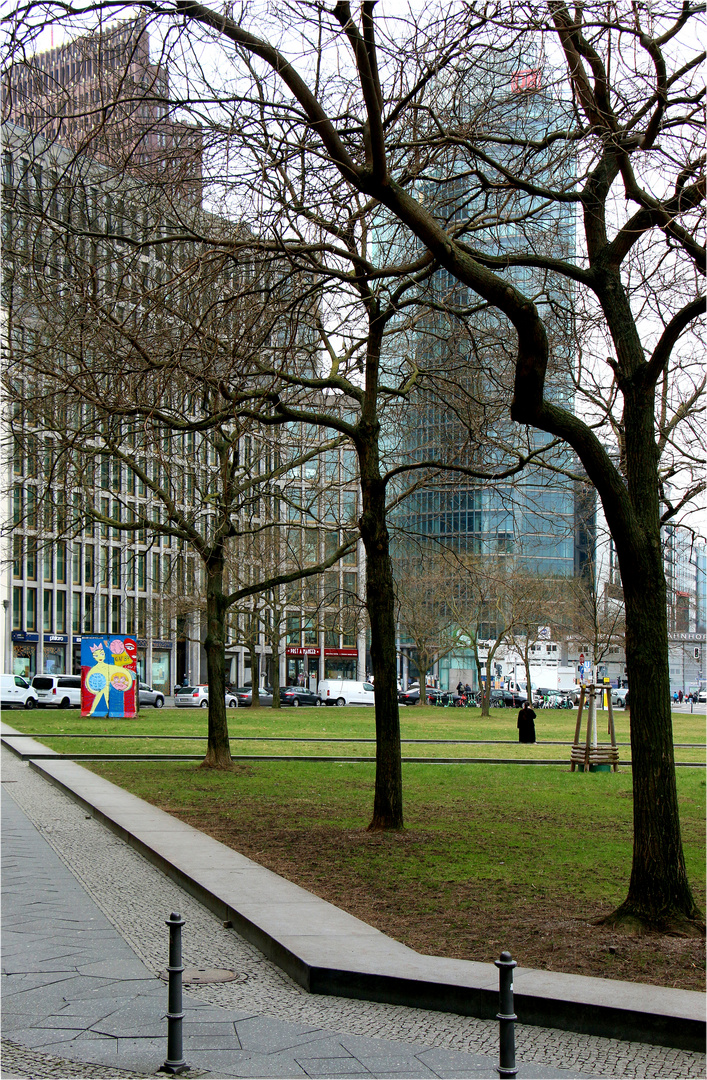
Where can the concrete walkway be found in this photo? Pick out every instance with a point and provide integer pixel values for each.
(78, 989)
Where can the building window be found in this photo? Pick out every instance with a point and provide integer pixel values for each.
(48, 606)
(103, 614)
(31, 508)
(115, 615)
(17, 556)
(17, 505)
(351, 556)
(88, 613)
(331, 633)
(115, 568)
(31, 609)
(88, 564)
(60, 612)
(350, 588)
(17, 608)
(76, 565)
(76, 613)
(141, 616)
(130, 615)
(61, 562)
(141, 571)
(293, 628)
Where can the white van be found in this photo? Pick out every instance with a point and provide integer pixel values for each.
(16, 692)
(345, 692)
(60, 691)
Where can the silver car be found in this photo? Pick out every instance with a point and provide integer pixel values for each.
(197, 697)
(148, 696)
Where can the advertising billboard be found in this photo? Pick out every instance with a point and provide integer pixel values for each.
(109, 685)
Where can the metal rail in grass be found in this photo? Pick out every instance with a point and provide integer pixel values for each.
(308, 739)
(337, 759)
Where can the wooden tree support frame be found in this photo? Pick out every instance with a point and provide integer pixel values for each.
(593, 753)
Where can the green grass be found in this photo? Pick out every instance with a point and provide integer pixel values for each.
(489, 853)
(345, 723)
(560, 831)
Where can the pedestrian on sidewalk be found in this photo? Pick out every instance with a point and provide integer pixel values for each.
(526, 724)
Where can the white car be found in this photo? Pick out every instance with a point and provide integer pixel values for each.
(16, 692)
(197, 697)
(57, 691)
(618, 695)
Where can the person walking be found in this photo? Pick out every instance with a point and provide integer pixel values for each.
(526, 724)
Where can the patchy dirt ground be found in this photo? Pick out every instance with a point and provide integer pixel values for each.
(468, 921)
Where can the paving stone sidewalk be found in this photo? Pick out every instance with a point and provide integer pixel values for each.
(79, 988)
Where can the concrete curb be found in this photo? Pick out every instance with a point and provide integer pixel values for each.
(327, 951)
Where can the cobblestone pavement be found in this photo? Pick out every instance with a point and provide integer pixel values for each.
(136, 898)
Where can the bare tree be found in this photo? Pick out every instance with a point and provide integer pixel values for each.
(104, 365)
(386, 107)
(426, 617)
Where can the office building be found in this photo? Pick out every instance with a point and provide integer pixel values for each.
(102, 95)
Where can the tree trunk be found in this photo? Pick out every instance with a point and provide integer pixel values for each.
(218, 751)
(484, 687)
(254, 675)
(380, 598)
(275, 642)
(659, 893)
(528, 684)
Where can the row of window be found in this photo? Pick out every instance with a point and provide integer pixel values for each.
(90, 613)
(103, 566)
(101, 613)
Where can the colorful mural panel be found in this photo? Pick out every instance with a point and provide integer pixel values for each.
(109, 685)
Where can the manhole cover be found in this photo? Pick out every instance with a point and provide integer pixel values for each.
(198, 976)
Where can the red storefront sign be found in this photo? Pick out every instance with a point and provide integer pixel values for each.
(341, 652)
(302, 650)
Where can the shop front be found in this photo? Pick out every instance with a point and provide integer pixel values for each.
(24, 653)
(141, 662)
(162, 666)
(55, 654)
(302, 666)
(341, 663)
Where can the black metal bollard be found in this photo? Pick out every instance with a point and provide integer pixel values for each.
(175, 1062)
(506, 1017)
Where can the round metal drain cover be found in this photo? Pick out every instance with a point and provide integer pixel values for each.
(199, 976)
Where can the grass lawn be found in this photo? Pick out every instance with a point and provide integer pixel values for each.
(492, 856)
(419, 722)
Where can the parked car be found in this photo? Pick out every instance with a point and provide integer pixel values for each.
(702, 695)
(618, 695)
(345, 692)
(57, 691)
(148, 696)
(245, 696)
(16, 692)
(298, 695)
(411, 696)
(197, 697)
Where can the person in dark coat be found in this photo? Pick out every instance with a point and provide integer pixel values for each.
(526, 724)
